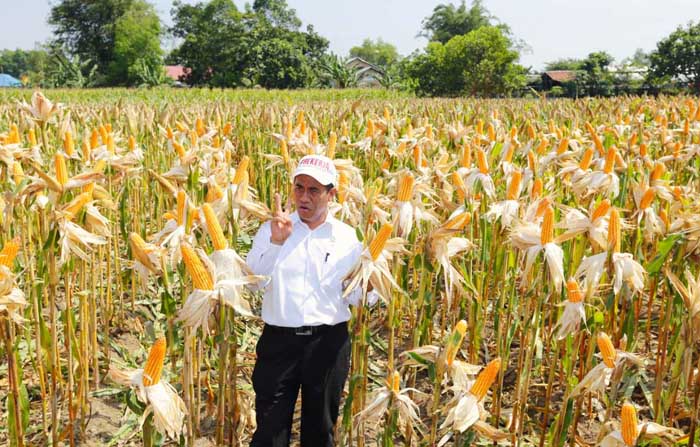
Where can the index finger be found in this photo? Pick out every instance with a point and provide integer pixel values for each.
(278, 203)
(288, 206)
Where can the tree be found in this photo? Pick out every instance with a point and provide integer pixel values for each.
(678, 57)
(20, 63)
(596, 78)
(212, 36)
(480, 63)
(222, 46)
(378, 53)
(136, 45)
(107, 32)
(334, 72)
(448, 21)
(564, 64)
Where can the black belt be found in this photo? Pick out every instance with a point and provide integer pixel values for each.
(304, 330)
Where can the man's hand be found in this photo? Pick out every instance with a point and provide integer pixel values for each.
(281, 224)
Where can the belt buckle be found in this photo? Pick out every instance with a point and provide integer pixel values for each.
(303, 330)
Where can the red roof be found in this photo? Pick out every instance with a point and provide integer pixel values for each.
(175, 71)
(561, 75)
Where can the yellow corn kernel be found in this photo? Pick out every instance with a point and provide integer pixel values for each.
(61, 170)
(458, 222)
(514, 185)
(586, 159)
(647, 198)
(140, 250)
(492, 132)
(458, 183)
(630, 430)
(531, 161)
(607, 350)
(379, 241)
(85, 149)
(154, 364)
(664, 217)
(394, 382)
(68, 143)
(9, 252)
(199, 127)
(132, 143)
(179, 149)
(481, 162)
(343, 183)
(574, 291)
(89, 188)
(465, 160)
(181, 202)
(32, 137)
(614, 231)
(227, 129)
(547, 232)
(537, 187)
(610, 160)
(486, 378)
(94, 139)
(601, 210)
(455, 341)
(302, 127)
(169, 133)
(180, 126)
(563, 146)
(314, 136)
(108, 127)
(530, 131)
(332, 141)
(103, 134)
(508, 157)
(480, 126)
(17, 172)
(201, 278)
(595, 138)
(214, 192)
(214, 228)
(417, 156)
(110, 143)
(542, 147)
(658, 171)
(405, 191)
(241, 170)
(75, 205)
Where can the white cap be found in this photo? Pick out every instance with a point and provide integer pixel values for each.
(319, 167)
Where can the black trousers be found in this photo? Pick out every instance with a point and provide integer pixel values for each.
(318, 364)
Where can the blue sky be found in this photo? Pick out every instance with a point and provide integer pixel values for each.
(553, 29)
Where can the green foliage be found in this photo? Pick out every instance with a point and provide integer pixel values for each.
(262, 46)
(595, 77)
(677, 57)
(137, 51)
(378, 53)
(72, 72)
(333, 72)
(21, 63)
(114, 34)
(480, 63)
(448, 21)
(564, 64)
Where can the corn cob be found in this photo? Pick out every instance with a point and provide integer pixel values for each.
(140, 250)
(332, 141)
(610, 157)
(601, 210)
(536, 189)
(68, 143)
(181, 202)
(514, 185)
(154, 365)
(574, 291)
(61, 170)
(647, 198)
(486, 378)
(455, 341)
(547, 232)
(201, 278)
(630, 431)
(379, 241)
(214, 228)
(405, 190)
(614, 231)
(481, 162)
(9, 252)
(75, 205)
(241, 170)
(607, 350)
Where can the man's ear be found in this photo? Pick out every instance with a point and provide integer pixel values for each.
(332, 193)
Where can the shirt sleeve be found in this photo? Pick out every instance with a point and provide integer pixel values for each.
(263, 254)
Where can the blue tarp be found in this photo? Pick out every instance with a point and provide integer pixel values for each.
(8, 81)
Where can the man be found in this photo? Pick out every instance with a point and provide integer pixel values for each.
(305, 342)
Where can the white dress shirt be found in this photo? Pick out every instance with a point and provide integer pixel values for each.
(306, 273)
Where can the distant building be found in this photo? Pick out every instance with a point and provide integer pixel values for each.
(176, 73)
(9, 81)
(555, 78)
(369, 75)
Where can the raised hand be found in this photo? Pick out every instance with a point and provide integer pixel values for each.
(281, 224)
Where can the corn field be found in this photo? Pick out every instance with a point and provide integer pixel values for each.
(536, 260)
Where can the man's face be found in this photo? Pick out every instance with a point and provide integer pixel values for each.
(311, 198)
